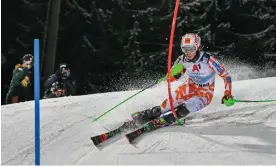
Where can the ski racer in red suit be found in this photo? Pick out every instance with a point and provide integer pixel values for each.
(197, 91)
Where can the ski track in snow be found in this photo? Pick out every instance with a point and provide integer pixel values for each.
(242, 134)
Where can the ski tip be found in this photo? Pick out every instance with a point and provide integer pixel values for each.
(94, 141)
(128, 140)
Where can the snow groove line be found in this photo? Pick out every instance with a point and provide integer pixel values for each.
(198, 134)
(227, 113)
(260, 121)
(53, 136)
(237, 148)
(186, 152)
(118, 157)
(29, 147)
(25, 151)
(83, 155)
(153, 146)
(270, 114)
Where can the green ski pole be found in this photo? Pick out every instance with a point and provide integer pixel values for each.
(122, 102)
(176, 69)
(258, 101)
(231, 102)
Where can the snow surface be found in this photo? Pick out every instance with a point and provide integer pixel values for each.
(242, 134)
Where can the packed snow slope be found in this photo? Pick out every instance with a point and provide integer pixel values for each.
(242, 134)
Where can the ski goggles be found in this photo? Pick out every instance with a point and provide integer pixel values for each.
(189, 49)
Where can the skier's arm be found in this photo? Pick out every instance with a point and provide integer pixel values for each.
(177, 76)
(223, 73)
(178, 69)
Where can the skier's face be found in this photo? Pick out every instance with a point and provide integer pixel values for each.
(189, 51)
(191, 55)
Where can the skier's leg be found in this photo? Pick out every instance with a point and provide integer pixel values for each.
(146, 115)
(154, 112)
(183, 93)
(187, 98)
(195, 103)
(192, 97)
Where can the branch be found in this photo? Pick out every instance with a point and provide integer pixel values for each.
(255, 35)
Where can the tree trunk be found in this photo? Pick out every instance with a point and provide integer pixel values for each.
(50, 57)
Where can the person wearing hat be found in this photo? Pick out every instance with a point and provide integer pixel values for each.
(60, 84)
(20, 82)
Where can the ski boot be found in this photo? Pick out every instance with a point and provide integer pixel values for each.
(128, 125)
(181, 112)
(146, 115)
(155, 112)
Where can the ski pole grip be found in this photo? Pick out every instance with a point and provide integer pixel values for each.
(175, 70)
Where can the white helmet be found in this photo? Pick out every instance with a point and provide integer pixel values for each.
(190, 43)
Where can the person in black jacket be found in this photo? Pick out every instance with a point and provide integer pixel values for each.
(60, 84)
(21, 82)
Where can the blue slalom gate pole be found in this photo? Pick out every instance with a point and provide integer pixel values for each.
(37, 98)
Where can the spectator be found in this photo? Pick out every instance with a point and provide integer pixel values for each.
(20, 83)
(60, 84)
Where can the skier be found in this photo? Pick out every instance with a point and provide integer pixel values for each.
(60, 84)
(197, 91)
(20, 83)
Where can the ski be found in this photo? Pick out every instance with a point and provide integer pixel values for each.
(98, 139)
(153, 125)
(164, 120)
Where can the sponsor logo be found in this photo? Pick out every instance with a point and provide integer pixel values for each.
(195, 68)
(187, 40)
(201, 85)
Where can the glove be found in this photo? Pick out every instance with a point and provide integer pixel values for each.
(227, 99)
(177, 76)
(25, 82)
